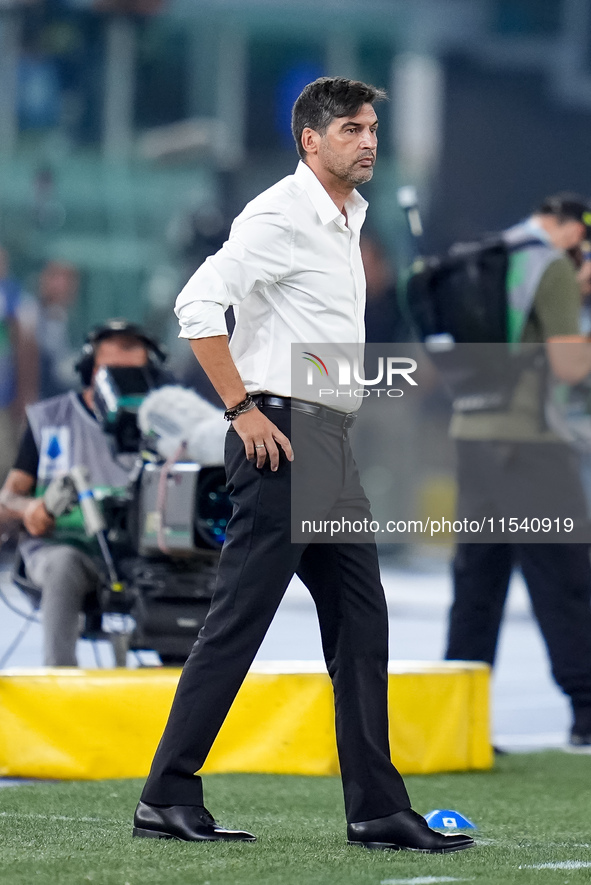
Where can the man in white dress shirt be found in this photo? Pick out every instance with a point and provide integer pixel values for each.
(292, 271)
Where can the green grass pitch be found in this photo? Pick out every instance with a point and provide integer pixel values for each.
(531, 810)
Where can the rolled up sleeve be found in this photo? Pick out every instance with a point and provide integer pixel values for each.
(257, 254)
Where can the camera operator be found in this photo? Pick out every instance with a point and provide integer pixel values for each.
(509, 458)
(62, 432)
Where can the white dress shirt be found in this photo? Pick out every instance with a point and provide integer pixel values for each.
(292, 271)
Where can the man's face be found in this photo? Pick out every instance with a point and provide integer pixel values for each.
(568, 234)
(348, 148)
(121, 352)
(58, 284)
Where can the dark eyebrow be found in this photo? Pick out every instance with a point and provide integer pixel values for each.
(358, 125)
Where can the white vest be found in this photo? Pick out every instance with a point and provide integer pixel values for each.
(66, 436)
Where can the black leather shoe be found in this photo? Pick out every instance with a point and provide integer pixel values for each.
(580, 736)
(580, 743)
(188, 823)
(405, 831)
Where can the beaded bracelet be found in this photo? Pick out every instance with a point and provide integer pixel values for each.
(245, 406)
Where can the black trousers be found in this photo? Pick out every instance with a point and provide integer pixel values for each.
(558, 576)
(257, 563)
(558, 580)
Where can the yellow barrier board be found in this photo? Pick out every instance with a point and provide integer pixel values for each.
(92, 724)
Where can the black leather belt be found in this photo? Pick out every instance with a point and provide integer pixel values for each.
(344, 420)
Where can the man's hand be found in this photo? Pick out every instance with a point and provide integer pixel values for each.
(36, 519)
(260, 437)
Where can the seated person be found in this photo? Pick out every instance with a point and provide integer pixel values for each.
(63, 432)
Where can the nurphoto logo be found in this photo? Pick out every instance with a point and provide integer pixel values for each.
(346, 372)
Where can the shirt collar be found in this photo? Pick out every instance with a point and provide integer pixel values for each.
(327, 211)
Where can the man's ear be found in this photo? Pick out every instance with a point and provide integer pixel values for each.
(310, 140)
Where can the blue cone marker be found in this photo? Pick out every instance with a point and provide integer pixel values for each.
(447, 819)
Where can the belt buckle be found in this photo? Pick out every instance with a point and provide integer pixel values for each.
(349, 421)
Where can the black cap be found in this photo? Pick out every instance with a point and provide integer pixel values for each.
(122, 326)
(568, 206)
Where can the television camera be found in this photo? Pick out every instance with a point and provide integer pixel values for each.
(160, 538)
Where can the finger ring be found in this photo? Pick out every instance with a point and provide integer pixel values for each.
(260, 446)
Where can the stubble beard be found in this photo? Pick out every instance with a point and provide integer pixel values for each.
(361, 177)
(351, 174)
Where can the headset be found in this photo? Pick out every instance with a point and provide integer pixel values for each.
(84, 364)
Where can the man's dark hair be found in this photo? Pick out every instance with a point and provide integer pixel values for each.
(566, 206)
(326, 98)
